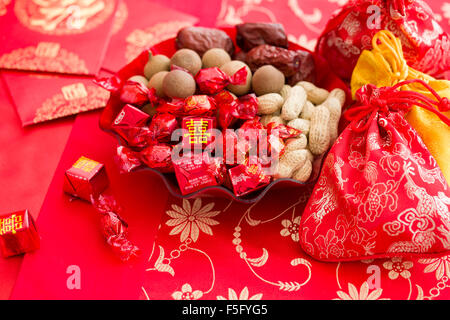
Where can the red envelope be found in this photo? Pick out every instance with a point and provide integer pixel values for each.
(55, 36)
(63, 96)
(138, 26)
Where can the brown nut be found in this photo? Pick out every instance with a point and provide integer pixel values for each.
(250, 35)
(267, 79)
(139, 79)
(156, 82)
(179, 84)
(230, 68)
(202, 39)
(187, 59)
(156, 64)
(215, 57)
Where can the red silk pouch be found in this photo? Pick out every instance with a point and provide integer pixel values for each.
(349, 32)
(380, 193)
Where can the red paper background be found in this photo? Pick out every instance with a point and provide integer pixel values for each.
(28, 160)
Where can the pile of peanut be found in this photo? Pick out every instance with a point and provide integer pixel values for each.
(313, 111)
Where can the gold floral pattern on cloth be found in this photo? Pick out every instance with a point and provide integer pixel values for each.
(141, 39)
(48, 56)
(62, 17)
(3, 5)
(120, 17)
(73, 99)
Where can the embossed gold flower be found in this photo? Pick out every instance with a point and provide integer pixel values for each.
(363, 294)
(291, 228)
(440, 265)
(398, 267)
(244, 295)
(189, 220)
(186, 293)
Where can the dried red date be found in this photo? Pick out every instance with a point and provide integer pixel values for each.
(287, 61)
(307, 69)
(202, 39)
(250, 35)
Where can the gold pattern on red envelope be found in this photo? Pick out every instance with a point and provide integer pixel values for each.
(3, 5)
(141, 39)
(120, 17)
(11, 224)
(47, 56)
(73, 99)
(62, 17)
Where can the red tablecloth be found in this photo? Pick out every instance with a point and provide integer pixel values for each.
(29, 158)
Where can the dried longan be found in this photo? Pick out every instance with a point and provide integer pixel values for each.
(156, 64)
(267, 79)
(156, 82)
(179, 84)
(215, 57)
(187, 59)
(230, 68)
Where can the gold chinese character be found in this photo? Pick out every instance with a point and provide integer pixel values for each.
(47, 49)
(74, 91)
(85, 164)
(197, 131)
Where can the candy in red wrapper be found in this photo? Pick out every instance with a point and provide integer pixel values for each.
(158, 156)
(231, 109)
(127, 159)
(18, 234)
(114, 228)
(85, 178)
(197, 132)
(200, 105)
(197, 171)
(174, 106)
(162, 126)
(135, 93)
(282, 131)
(128, 121)
(214, 80)
(246, 178)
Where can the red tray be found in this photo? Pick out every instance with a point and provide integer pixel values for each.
(325, 78)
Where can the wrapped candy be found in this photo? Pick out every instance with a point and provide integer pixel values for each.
(134, 93)
(158, 156)
(18, 234)
(127, 159)
(231, 109)
(87, 180)
(128, 124)
(162, 126)
(380, 193)
(200, 105)
(385, 65)
(197, 171)
(351, 30)
(246, 178)
(214, 80)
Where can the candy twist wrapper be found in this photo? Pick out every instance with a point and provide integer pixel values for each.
(214, 80)
(385, 65)
(87, 180)
(351, 30)
(380, 192)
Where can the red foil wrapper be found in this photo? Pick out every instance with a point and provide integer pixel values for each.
(128, 122)
(197, 132)
(175, 107)
(201, 105)
(18, 234)
(197, 171)
(282, 131)
(114, 228)
(158, 156)
(127, 159)
(135, 93)
(247, 178)
(162, 126)
(214, 80)
(85, 178)
(231, 109)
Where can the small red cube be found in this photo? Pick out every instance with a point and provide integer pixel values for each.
(128, 121)
(85, 178)
(18, 234)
